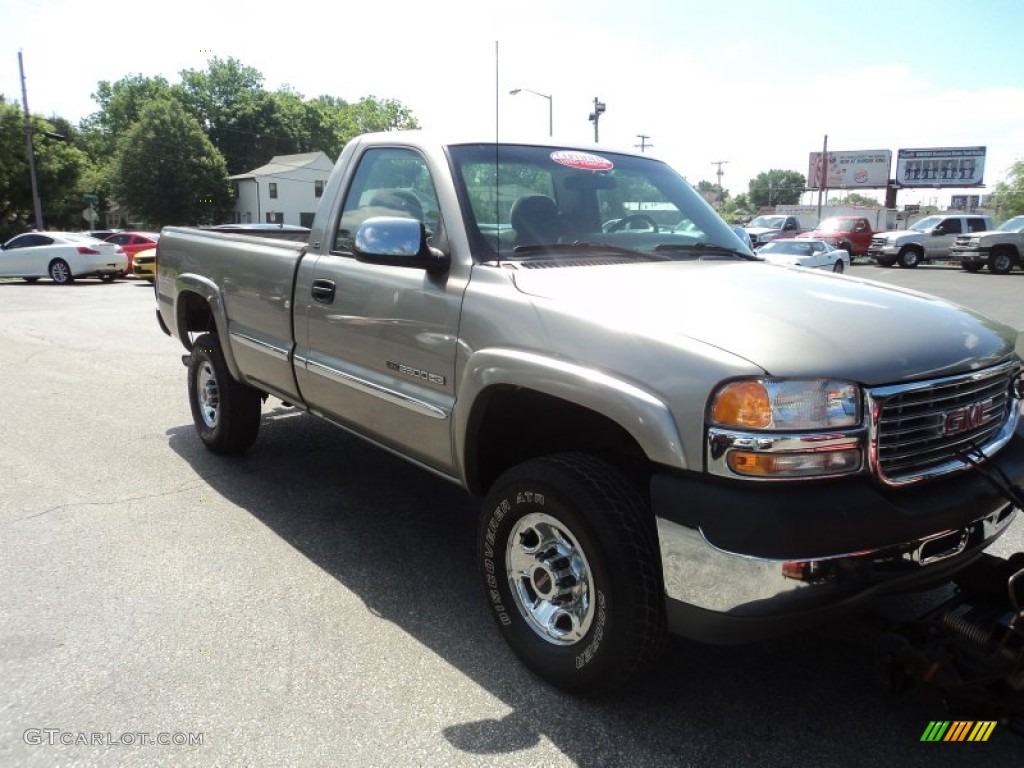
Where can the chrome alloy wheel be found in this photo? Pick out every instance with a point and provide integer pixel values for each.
(550, 579)
(209, 394)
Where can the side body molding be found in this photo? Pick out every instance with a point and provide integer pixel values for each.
(636, 410)
(211, 293)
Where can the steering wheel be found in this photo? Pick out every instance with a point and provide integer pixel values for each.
(625, 221)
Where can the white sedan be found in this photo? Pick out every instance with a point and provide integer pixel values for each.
(61, 256)
(805, 252)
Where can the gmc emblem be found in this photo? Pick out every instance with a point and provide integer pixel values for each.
(963, 419)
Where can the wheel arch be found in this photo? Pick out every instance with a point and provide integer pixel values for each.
(199, 308)
(568, 408)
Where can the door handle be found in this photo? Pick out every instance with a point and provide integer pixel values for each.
(323, 291)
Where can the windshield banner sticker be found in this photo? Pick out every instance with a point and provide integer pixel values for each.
(582, 160)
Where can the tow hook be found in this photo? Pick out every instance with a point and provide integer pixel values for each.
(185, 359)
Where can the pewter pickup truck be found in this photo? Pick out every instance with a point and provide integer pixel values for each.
(668, 434)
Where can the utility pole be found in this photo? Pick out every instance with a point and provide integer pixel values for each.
(28, 147)
(719, 173)
(643, 145)
(595, 116)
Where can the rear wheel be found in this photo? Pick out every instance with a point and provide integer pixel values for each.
(909, 257)
(1001, 261)
(60, 272)
(570, 565)
(226, 413)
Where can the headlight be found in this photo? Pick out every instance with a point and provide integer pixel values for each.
(785, 429)
(786, 404)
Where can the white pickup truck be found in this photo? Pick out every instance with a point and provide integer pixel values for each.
(928, 239)
(1000, 249)
(667, 433)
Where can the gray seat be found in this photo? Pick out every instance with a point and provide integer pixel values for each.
(536, 220)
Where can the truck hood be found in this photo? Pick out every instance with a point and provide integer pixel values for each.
(761, 230)
(787, 321)
(899, 235)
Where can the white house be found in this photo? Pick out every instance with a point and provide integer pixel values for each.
(286, 190)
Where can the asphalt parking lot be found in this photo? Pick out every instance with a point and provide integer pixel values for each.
(316, 602)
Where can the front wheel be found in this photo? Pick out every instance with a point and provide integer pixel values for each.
(909, 258)
(1001, 262)
(838, 267)
(226, 413)
(568, 549)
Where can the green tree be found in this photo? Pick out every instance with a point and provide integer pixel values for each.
(853, 198)
(59, 168)
(168, 171)
(121, 103)
(1008, 197)
(776, 187)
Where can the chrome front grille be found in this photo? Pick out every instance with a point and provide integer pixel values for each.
(922, 429)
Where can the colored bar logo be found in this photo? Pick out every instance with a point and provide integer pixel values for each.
(958, 730)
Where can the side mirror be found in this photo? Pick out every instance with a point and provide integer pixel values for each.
(398, 242)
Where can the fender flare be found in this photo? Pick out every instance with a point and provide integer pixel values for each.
(210, 292)
(640, 413)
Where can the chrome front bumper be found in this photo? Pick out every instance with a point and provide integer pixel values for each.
(699, 574)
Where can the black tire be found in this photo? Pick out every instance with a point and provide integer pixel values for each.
(971, 266)
(108, 278)
(60, 272)
(1001, 261)
(569, 533)
(909, 257)
(838, 267)
(226, 413)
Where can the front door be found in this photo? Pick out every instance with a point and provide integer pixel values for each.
(377, 350)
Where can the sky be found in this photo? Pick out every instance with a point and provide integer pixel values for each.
(751, 85)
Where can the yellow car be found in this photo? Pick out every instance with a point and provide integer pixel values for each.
(144, 264)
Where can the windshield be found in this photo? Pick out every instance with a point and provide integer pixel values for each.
(771, 222)
(926, 224)
(1016, 224)
(518, 198)
(836, 225)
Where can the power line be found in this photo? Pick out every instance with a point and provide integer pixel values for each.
(644, 144)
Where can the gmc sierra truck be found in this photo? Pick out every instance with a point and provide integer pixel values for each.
(1000, 249)
(667, 433)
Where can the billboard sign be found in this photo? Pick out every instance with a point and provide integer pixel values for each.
(846, 170)
(940, 167)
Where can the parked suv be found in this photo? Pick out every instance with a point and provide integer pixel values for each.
(1000, 249)
(927, 239)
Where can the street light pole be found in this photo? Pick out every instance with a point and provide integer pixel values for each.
(29, 150)
(551, 108)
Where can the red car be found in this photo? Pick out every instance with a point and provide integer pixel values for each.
(133, 242)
